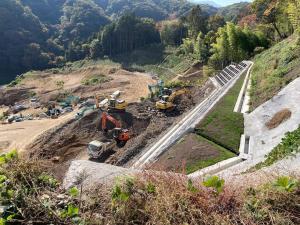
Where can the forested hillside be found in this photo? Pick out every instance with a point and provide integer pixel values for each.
(49, 33)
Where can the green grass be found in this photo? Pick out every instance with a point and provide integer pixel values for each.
(200, 164)
(95, 80)
(222, 125)
(289, 146)
(274, 69)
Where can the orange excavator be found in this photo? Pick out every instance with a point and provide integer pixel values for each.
(120, 135)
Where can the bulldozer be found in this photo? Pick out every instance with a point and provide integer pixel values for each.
(120, 135)
(166, 103)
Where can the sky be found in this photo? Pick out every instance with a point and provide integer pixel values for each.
(222, 2)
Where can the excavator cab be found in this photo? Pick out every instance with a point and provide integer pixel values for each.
(121, 136)
(166, 102)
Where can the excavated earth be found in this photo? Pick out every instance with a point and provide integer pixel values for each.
(69, 141)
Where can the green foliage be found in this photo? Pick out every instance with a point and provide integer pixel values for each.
(273, 69)
(234, 44)
(60, 84)
(151, 189)
(196, 21)
(122, 192)
(16, 81)
(286, 183)
(191, 186)
(71, 211)
(232, 13)
(48, 181)
(176, 84)
(214, 182)
(8, 157)
(127, 34)
(74, 192)
(173, 32)
(95, 80)
(118, 194)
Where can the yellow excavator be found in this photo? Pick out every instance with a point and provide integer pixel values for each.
(167, 101)
(117, 104)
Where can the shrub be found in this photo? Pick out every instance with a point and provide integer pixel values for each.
(214, 182)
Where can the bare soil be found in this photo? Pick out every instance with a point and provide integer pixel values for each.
(69, 141)
(187, 151)
(19, 135)
(279, 118)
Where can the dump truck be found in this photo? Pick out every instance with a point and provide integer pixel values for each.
(96, 149)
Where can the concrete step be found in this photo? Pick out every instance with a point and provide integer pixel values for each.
(225, 81)
(226, 75)
(232, 68)
(244, 65)
(233, 72)
(229, 72)
(219, 81)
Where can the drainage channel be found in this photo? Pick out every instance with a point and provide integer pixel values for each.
(245, 150)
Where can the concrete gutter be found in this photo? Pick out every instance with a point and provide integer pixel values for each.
(216, 168)
(240, 103)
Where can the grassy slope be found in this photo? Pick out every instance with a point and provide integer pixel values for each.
(274, 69)
(222, 125)
(163, 62)
(200, 164)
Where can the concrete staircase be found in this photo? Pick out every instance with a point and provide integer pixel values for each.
(228, 73)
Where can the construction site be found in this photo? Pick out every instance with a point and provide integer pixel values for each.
(118, 117)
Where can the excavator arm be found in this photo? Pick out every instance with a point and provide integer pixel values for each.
(106, 117)
(177, 93)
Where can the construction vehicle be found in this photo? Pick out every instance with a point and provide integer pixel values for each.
(120, 135)
(166, 103)
(112, 104)
(117, 105)
(96, 149)
(156, 89)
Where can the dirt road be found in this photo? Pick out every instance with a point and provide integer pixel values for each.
(19, 135)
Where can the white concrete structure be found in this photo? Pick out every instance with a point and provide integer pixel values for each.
(92, 173)
(262, 139)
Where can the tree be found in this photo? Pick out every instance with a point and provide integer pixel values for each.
(269, 11)
(173, 32)
(293, 11)
(234, 44)
(34, 58)
(196, 21)
(96, 49)
(128, 33)
(215, 21)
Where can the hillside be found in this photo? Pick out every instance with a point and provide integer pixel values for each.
(235, 11)
(274, 69)
(39, 38)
